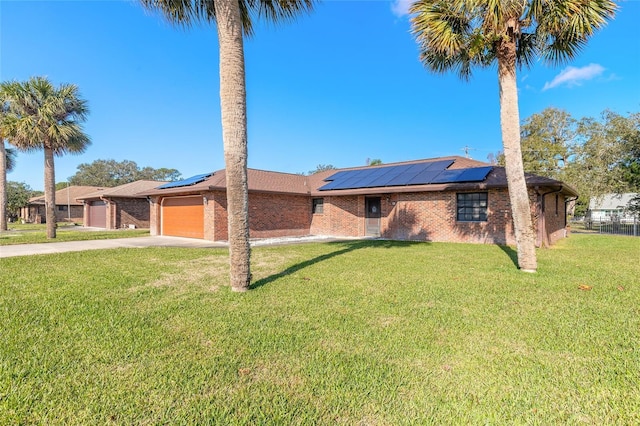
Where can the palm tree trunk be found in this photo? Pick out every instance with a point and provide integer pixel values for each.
(3, 187)
(50, 192)
(233, 102)
(510, 123)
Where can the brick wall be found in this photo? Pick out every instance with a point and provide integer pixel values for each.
(421, 216)
(130, 211)
(554, 219)
(343, 216)
(270, 215)
(154, 216)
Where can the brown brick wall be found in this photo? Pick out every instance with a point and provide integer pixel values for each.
(554, 219)
(270, 215)
(423, 216)
(154, 216)
(343, 216)
(130, 211)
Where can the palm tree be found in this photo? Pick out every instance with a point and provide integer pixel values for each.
(233, 19)
(7, 162)
(43, 117)
(457, 35)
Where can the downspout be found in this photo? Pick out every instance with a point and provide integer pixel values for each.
(544, 241)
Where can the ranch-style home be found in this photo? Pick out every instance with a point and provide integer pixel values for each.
(451, 199)
(68, 207)
(118, 207)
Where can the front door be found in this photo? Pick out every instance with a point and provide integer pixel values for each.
(372, 216)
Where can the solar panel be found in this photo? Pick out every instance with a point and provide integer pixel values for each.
(424, 177)
(439, 165)
(405, 174)
(447, 176)
(186, 182)
(476, 174)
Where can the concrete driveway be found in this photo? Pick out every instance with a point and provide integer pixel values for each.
(138, 242)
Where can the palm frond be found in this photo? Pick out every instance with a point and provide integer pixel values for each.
(186, 13)
(565, 26)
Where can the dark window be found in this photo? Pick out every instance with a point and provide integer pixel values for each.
(62, 208)
(318, 205)
(472, 207)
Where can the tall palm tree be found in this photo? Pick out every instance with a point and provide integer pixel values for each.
(457, 35)
(233, 19)
(43, 117)
(7, 162)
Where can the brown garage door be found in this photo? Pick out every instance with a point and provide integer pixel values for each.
(183, 217)
(98, 214)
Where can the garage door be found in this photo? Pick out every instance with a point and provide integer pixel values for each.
(183, 217)
(98, 214)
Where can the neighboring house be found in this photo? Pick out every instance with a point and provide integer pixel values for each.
(68, 208)
(610, 208)
(119, 207)
(444, 199)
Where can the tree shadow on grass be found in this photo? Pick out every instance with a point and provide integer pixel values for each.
(346, 248)
(511, 252)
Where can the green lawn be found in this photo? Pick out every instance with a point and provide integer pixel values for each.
(34, 234)
(353, 333)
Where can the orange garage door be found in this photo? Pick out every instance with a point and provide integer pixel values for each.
(183, 217)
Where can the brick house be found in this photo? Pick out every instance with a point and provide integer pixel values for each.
(118, 207)
(68, 206)
(445, 199)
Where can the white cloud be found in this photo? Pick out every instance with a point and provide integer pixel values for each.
(572, 76)
(400, 8)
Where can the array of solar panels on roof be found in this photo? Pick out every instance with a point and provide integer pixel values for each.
(403, 175)
(186, 182)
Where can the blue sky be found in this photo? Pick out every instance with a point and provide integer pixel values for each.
(338, 86)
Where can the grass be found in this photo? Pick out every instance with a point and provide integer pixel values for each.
(370, 333)
(34, 234)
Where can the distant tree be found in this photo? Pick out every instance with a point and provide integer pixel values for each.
(321, 168)
(43, 117)
(547, 140)
(602, 158)
(374, 162)
(495, 157)
(110, 173)
(149, 173)
(634, 206)
(629, 164)
(459, 35)
(18, 195)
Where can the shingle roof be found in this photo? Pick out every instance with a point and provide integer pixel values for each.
(287, 183)
(258, 181)
(75, 193)
(128, 190)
